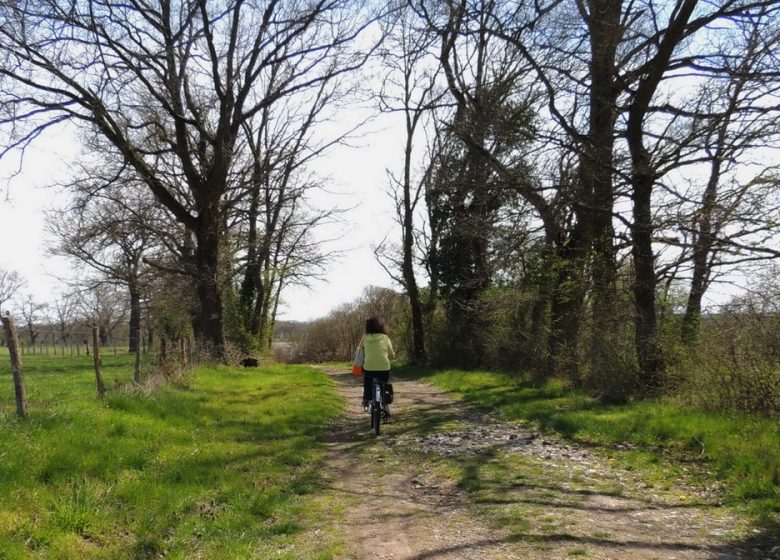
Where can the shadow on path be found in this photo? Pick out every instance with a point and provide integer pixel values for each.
(400, 509)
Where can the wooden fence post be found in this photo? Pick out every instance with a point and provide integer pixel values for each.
(183, 356)
(137, 367)
(101, 387)
(16, 365)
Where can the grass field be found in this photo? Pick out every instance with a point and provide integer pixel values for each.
(664, 440)
(226, 463)
(221, 466)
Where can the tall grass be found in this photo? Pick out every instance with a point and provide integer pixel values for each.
(741, 450)
(222, 466)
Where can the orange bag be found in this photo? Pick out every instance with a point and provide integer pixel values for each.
(357, 363)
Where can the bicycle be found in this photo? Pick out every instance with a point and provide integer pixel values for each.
(379, 405)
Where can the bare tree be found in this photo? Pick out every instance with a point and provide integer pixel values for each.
(104, 305)
(733, 220)
(570, 163)
(572, 50)
(64, 313)
(666, 53)
(281, 140)
(170, 88)
(110, 233)
(620, 60)
(409, 88)
(10, 284)
(31, 312)
(482, 167)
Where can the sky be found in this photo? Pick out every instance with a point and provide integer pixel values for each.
(24, 198)
(356, 178)
(359, 177)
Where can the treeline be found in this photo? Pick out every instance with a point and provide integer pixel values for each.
(336, 336)
(734, 365)
(67, 319)
(577, 177)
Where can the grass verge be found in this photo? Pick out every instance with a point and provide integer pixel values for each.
(223, 466)
(740, 451)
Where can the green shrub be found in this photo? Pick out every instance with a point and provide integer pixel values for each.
(735, 365)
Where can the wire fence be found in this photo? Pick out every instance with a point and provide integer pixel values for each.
(73, 349)
(172, 358)
(76, 342)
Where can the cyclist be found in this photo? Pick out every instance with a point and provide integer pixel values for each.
(378, 352)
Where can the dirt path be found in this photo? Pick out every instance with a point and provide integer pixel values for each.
(447, 482)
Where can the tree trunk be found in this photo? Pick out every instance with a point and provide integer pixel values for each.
(701, 270)
(541, 326)
(418, 333)
(596, 174)
(135, 318)
(266, 312)
(31, 332)
(648, 346)
(705, 236)
(252, 284)
(209, 319)
(565, 314)
(566, 266)
(273, 313)
(410, 281)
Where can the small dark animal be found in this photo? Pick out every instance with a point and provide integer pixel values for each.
(249, 362)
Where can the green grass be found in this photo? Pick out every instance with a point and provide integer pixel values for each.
(225, 465)
(741, 451)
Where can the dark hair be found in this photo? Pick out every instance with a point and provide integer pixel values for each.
(375, 325)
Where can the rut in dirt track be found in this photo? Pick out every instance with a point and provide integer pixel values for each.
(398, 505)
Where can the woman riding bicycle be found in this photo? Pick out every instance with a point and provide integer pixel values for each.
(378, 352)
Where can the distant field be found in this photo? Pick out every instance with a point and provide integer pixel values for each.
(740, 451)
(221, 466)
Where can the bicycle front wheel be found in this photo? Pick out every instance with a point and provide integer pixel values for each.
(376, 419)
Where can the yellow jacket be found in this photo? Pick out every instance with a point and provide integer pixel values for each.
(378, 350)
